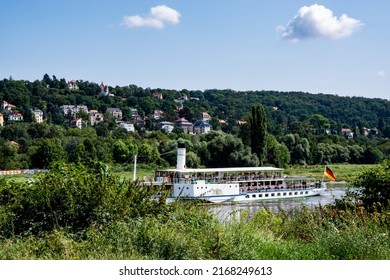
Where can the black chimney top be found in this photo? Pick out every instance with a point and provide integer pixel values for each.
(181, 145)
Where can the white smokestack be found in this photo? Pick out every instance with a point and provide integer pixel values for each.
(181, 156)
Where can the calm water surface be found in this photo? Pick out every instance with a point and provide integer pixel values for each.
(225, 212)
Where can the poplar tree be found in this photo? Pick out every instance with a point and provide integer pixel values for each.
(258, 130)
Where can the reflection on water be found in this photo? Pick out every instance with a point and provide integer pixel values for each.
(226, 212)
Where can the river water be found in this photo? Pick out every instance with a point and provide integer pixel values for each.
(225, 212)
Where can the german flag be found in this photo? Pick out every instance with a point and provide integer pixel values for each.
(328, 173)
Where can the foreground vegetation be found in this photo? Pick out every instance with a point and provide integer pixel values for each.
(78, 212)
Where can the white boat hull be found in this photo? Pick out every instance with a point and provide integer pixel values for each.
(256, 196)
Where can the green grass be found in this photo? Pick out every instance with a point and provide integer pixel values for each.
(17, 178)
(343, 172)
(193, 234)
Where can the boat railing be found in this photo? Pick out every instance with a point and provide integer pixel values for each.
(224, 179)
(273, 188)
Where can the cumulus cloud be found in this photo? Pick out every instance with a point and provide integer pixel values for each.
(158, 17)
(317, 21)
(381, 74)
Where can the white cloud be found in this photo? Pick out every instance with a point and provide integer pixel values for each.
(157, 18)
(381, 74)
(317, 21)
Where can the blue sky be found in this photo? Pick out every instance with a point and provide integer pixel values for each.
(333, 47)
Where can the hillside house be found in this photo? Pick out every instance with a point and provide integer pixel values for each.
(158, 95)
(205, 116)
(134, 113)
(115, 112)
(38, 115)
(185, 125)
(166, 126)
(72, 110)
(72, 85)
(347, 133)
(202, 127)
(128, 126)
(240, 122)
(95, 117)
(104, 90)
(7, 107)
(15, 116)
(77, 123)
(157, 114)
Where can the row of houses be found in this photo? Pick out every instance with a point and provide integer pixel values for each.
(104, 89)
(199, 127)
(12, 114)
(94, 116)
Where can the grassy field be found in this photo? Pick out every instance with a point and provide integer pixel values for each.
(343, 172)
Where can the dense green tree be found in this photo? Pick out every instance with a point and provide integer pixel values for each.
(355, 153)
(48, 152)
(277, 154)
(120, 152)
(258, 131)
(192, 160)
(373, 185)
(372, 155)
(320, 123)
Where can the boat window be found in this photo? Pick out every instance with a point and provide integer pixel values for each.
(253, 195)
(266, 195)
(247, 196)
(284, 194)
(306, 192)
(296, 193)
(301, 193)
(272, 194)
(260, 195)
(290, 193)
(278, 194)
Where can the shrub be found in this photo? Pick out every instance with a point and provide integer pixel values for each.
(73, 197)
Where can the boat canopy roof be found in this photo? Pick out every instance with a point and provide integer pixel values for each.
(227, 169)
